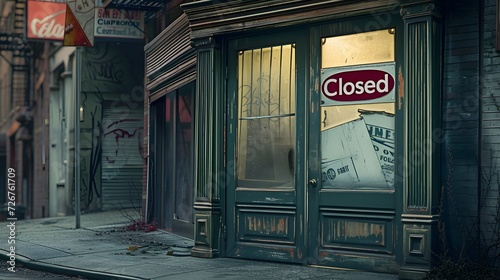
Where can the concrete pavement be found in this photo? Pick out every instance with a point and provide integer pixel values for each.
(103, 249)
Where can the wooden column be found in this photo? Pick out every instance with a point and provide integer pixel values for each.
(209, 149)
(422, 101)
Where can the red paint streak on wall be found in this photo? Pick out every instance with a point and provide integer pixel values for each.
(121, 133)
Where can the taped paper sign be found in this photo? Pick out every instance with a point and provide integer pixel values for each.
(359, 154)
(340, 172)
(349, 160)
(380, 126)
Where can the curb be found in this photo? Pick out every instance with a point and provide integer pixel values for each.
(66, 270)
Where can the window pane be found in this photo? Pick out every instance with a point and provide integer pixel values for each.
(184, 155)
(266, 125)
(357, 113)
(360, 48)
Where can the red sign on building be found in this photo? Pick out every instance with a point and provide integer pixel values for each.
(358, 84)
(45, 20)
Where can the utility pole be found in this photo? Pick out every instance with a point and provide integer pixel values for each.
(78, 86)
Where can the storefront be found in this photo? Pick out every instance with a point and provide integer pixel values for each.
(171, 73)
(314, 132)
(325, 160)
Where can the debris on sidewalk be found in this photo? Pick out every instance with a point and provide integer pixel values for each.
(142, 225)
(144, 241)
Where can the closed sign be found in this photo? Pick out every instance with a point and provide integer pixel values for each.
(361, 84)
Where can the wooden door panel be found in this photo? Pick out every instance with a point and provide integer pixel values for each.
(266, 225)
(358, 200)
(357, 231)
(266, 197)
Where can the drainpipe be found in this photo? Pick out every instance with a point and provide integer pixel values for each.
(78, 85)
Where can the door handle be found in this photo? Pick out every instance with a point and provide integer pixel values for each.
(312, 183)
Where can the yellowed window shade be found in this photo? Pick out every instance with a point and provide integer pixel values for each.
(266, 117)
(361, 48)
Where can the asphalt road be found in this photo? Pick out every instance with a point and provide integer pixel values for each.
(23, 273)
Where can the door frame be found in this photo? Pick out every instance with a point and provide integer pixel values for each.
(307, 154)
(337, 28)
(299, 37)
(163, 155)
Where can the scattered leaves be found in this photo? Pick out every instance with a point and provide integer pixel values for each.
(142, 226)
(133, 248)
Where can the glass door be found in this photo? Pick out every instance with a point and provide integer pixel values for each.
(312, 129)
(265, 195)
(352, 191)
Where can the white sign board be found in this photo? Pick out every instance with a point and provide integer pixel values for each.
(114, 23)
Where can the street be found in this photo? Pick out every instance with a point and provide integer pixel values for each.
(23, 273)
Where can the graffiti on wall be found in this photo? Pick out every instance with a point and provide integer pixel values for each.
(89, 171)
(121, 133)
(104, 66)
(112, 68)
(110, 81)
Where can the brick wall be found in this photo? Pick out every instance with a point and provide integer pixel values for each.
(471, 120)
(490, 124)
(40, 184)
(460, 102)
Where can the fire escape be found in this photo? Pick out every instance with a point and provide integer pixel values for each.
(17, 52)
(14, 40)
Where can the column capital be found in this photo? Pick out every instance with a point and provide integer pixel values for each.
(412, 8)
(205, 42)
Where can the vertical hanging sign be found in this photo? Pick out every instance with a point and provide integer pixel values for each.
(79, 25)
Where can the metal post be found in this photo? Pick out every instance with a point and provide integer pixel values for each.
(78, 85)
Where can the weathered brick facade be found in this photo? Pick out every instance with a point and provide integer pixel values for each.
(471, 115)
(40, 160)
(24, 108)
(461, 98)
(489, 200)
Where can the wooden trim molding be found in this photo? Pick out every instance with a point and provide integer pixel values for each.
(211, 18)
(170, 65)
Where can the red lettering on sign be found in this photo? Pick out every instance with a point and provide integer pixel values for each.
(102, 13)
(358, 85)
(116, 14)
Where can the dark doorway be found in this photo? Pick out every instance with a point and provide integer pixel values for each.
(171, 163)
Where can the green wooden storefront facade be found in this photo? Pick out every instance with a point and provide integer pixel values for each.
(394, 229)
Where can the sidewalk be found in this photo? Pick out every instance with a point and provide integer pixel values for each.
(102, 249)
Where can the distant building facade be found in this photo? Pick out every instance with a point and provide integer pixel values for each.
(24, 111)
(40, 79)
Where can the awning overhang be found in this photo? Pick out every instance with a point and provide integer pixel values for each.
(138, 5)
